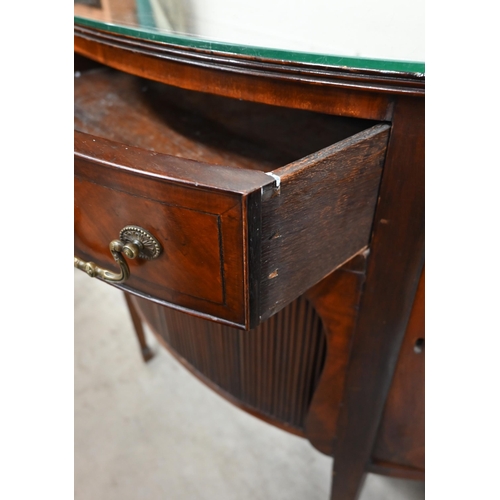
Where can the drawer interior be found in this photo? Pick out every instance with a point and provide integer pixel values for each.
(201, 127)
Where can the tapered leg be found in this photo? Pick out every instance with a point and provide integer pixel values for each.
(347, 484)
(146, 352)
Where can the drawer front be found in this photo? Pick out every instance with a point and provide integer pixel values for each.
(202, 229)
(238, 245)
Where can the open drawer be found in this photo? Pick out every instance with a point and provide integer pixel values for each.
(251, 204)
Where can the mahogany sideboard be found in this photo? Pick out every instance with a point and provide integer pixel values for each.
(267, 219)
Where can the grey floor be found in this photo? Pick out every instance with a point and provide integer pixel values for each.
(153, 431)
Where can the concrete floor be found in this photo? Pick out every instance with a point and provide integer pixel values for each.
(153, 431)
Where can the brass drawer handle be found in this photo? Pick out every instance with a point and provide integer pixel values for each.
(134, 241)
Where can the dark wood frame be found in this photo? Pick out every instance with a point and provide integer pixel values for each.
(395, 260)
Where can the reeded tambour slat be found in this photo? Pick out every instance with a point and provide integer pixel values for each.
(273, 369)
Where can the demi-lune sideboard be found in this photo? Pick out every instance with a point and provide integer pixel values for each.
(264, 214)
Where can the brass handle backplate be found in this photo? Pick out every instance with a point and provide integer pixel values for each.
(134, 242)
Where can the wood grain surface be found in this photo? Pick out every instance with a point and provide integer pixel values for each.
(271, 371)
(321, 217)
(287, 239)
(237, 247)
(401, 436)
(202, 230)
(394, 266)
(336, 299)
(200, 126)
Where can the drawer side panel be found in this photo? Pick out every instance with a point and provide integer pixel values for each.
(320, 216)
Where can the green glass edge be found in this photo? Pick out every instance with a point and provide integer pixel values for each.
(148, 33)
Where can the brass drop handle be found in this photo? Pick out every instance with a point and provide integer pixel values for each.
(134, 242)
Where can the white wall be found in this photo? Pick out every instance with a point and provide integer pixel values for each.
(387, 29)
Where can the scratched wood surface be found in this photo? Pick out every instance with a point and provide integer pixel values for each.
(322, 216)
(200, 126)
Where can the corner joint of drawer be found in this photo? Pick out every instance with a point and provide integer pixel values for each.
(271, 190)
(276, 178)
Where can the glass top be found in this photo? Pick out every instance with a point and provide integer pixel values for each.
(384, 35)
